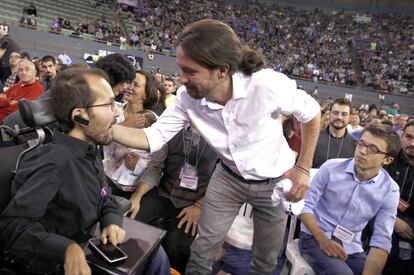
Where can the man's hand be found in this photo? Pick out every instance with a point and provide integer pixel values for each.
(189, 215)
(403, 229)
(75, 261)
(300, 184)
(131, 160)
(134, 121)
(136, 204)
(333, 249)
(113, 233)
(3, 96)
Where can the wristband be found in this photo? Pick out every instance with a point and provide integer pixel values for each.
(301, 169)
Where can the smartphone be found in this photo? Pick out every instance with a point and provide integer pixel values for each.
(109, 252)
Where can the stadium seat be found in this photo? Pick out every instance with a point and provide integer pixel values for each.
(298, 264)
(240, 234)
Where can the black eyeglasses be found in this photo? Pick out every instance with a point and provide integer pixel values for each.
(111, 104)
(371, 148)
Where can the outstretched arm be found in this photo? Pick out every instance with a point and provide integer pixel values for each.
(130, 137)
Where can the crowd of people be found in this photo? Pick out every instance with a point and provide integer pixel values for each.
(335, 47)
(187, 157)
(312, 44)
(99, 27)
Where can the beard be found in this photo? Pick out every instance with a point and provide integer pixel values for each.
(336, 126)
(409, 152)
(98, 133)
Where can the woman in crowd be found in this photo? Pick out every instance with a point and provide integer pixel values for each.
(123, 165)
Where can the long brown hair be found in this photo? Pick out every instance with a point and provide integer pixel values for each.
(212, 44)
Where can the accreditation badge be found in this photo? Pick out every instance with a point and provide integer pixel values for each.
(188, 177)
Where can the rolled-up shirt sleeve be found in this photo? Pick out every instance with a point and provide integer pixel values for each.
(298, 103)
(384, 221)
(169, 123)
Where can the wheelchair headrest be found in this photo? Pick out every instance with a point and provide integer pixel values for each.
(36, 113)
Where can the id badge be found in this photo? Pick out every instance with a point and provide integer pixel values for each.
(188, 177)
(344, 234)
(188, 170)
(403, 205)
(189, 182)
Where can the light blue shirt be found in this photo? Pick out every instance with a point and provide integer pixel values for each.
(337, 197)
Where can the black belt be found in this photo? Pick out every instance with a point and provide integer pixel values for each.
(240, 178)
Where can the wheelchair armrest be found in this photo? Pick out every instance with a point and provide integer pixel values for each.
(124, 204)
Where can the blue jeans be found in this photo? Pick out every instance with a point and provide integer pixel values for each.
(159, 264)
(323, 264)
(224, 197)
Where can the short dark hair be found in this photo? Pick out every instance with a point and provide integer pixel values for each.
(49, 58)
(213, 44)
(342, 101)
(151, 92)
(71, 90)
(386, 133)
(170, 79)
(117, 67)
(408, 124)
(372, 107)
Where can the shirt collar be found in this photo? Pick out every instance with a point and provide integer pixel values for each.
(238, 92)
(350, 169)
(78, 147)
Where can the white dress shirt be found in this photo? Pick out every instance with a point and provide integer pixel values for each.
(246, 132)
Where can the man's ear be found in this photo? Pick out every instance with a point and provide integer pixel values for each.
(388, 160)
(79, 116)
(223, 71)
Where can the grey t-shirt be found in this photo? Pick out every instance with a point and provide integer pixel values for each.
(329, 147)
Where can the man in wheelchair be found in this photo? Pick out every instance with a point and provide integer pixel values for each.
(60, 191)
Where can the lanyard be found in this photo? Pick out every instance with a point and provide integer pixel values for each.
(188, 147)
(403, 184)
(329, 145)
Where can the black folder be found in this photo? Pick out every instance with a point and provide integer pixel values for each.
(140, 243)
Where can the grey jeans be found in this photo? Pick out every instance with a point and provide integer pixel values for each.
(224, 197)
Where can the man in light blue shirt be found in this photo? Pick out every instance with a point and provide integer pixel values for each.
(344, 195)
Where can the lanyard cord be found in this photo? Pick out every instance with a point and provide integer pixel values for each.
(187, 149)
(403, 184)
(329, 145)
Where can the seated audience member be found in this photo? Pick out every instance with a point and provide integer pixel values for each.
(49, 66)
(401, 259)
(28, 87)
(7, 47)
(334, 141)
(354, 123)
(160, 106)
(344, 195)
(122, 164)
(170, 89)
(120, 73)
(13, 62)
(170, 192)
(60, 191)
